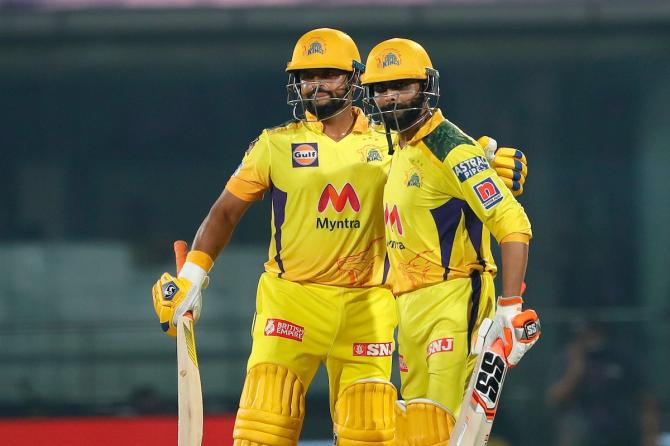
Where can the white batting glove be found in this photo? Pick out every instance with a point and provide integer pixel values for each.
(520, 329)
(199, 279)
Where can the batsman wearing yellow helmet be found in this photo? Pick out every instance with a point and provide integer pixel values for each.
(442, 200)
(320, 299)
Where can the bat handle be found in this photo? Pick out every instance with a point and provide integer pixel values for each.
(180, 252)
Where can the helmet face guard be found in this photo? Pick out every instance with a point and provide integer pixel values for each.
(303, 107)
(427, 100)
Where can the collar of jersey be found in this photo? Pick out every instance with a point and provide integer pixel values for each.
(360, 125)
(427, 127)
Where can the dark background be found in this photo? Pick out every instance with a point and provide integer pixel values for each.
(118, 129)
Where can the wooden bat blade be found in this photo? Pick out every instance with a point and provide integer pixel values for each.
(188, 385)
(475, 421)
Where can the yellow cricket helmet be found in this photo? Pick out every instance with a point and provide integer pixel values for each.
(325, 48)
(395, 59)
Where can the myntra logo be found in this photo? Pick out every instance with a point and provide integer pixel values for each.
(339, 199)
(392, 219)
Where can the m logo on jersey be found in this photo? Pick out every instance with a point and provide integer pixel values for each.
(392, 219)
(305, 154)
(488, 193)
(339, 199)
(284, 329)
(470, 167)
(373, 348)
(439, 346)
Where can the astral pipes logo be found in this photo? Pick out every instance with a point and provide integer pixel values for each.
(339, 199)
(392, 219)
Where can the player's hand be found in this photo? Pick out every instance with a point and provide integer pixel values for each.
(521, 329)
(510, 164)
(174, 296)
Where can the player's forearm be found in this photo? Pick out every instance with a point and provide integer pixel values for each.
(217, 228)
(514, 261)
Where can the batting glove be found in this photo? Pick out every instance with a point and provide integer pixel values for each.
(521, 329)
(510, 164)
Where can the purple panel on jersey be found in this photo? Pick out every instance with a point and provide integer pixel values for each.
(387, 266)
(446, 219)
(474, 227)
(476, 283)
(279, 215)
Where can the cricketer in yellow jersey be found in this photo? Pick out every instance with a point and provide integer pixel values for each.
(320, 299)
(442, 200)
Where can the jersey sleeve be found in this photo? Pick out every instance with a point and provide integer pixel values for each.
(252, 178)
(486, 193)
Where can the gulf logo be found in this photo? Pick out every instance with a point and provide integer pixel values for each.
(305, 154)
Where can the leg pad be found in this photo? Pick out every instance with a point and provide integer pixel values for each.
(428, 423)
(272, 407)
(365, 414)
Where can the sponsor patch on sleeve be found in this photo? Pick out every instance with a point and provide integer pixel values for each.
(488, 193)
(470, 167)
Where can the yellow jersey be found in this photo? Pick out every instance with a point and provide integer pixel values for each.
(442, 201)
(327, 216)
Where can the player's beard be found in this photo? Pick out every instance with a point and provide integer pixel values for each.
(405, 114)
(330, 108)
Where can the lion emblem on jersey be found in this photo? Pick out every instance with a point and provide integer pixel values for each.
(270, 327)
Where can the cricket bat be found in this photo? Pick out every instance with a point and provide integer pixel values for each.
(189, 389)
(480, 405)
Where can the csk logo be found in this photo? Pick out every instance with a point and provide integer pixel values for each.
(414, 180)
(315, 47)
(392, 219)
(388, 59)
(339, 199)
(374, 155)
